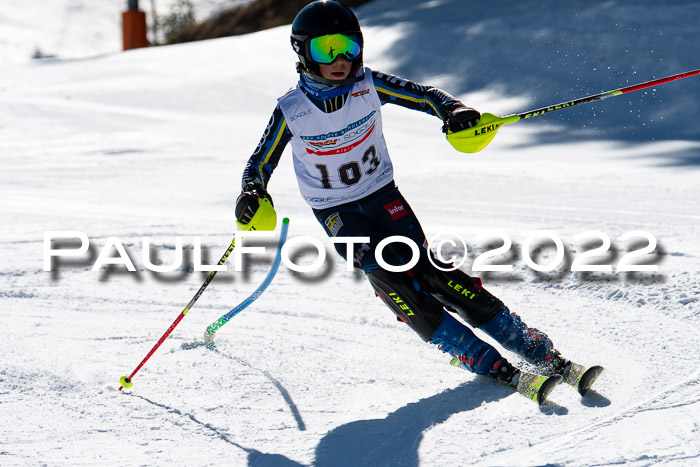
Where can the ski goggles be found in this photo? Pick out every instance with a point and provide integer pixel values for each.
(326, 49)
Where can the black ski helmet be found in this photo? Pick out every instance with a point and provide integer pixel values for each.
(321, 18)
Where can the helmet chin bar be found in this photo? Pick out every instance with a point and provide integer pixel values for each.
(353, 77)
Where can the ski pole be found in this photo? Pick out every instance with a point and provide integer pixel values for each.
(478, 137)
(209, 334)
(126, 380)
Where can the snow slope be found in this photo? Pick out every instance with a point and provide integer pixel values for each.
(70, 29)
(151, 143)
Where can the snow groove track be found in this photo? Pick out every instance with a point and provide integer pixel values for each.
(275, 382)
(254, 457)
(219, 433)
(587, 432)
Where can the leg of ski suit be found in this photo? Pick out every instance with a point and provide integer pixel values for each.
(481, 309)
(427, 317)
(417, 296)
(384, 214)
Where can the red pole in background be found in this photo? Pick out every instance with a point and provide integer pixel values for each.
(134, 26)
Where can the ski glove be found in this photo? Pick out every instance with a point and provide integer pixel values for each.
(249, 200)
(460, 118)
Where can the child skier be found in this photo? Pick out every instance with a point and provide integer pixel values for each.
(332, 119)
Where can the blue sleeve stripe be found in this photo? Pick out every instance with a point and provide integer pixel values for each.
(409, 97)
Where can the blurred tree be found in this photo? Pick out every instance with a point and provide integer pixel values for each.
(181, 16)
(259, 15)
(155, 24)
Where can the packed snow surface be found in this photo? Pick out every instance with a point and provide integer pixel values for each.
(151, 144)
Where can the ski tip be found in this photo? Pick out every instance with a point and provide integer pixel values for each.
(547, 387)
(588, 378)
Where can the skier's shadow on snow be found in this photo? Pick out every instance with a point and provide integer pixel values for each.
(394, 440)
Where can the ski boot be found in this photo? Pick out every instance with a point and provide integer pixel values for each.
(473, 354)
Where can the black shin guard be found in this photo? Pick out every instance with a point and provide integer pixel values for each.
(420, 311)
(461, 292)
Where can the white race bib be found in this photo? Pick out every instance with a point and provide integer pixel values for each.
(339, 156)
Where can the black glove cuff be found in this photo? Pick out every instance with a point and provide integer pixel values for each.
(460, 118)
(249, 200)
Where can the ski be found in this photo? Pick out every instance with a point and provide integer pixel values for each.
(581, 377)
(535, 387)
